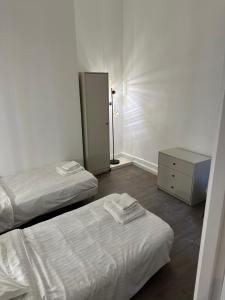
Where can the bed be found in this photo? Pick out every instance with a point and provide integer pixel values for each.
(84, 254)
(31, 194)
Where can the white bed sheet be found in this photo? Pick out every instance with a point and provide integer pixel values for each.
(6, 210)
(42, 190)
(85, 254)
(15, 265)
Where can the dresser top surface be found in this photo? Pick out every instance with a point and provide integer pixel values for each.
(186, 155)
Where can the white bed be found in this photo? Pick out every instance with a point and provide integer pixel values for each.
(85, 254)
(30, 194)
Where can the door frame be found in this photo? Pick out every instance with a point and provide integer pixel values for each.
(209, 280)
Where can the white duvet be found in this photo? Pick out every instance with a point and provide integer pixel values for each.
(6, 210)
(30, 194)
(85, 254)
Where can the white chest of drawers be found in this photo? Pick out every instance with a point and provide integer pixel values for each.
(184, 174)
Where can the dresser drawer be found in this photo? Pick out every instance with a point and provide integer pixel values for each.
(176, 164)
(166, 178)
(175, 183)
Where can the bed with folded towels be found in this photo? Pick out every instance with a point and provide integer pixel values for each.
(30, 194)
(84, 254)
(124, 209)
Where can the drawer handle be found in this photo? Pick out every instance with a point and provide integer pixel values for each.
(174, 164)
(172, 187)
(173, 175)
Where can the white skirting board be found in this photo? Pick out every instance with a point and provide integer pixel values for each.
(141, 163)
(123, 162)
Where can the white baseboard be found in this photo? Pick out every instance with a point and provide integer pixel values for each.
(139, 162)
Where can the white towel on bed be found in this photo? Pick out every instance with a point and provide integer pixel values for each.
(125, 202)
(70, 166)
(121, 217)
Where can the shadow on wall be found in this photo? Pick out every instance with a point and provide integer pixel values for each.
(39, 106)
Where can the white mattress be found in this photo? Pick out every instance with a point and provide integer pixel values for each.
(42, 190)
(85, 254)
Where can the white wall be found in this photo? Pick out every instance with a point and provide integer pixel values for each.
(173, 63)
(99, 46)
(39, 104)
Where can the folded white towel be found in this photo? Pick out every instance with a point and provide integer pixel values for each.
(62, 172)
(123, 218)
(71, 165)
(125, 202)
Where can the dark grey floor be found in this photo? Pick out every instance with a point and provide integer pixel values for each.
(174, 281)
